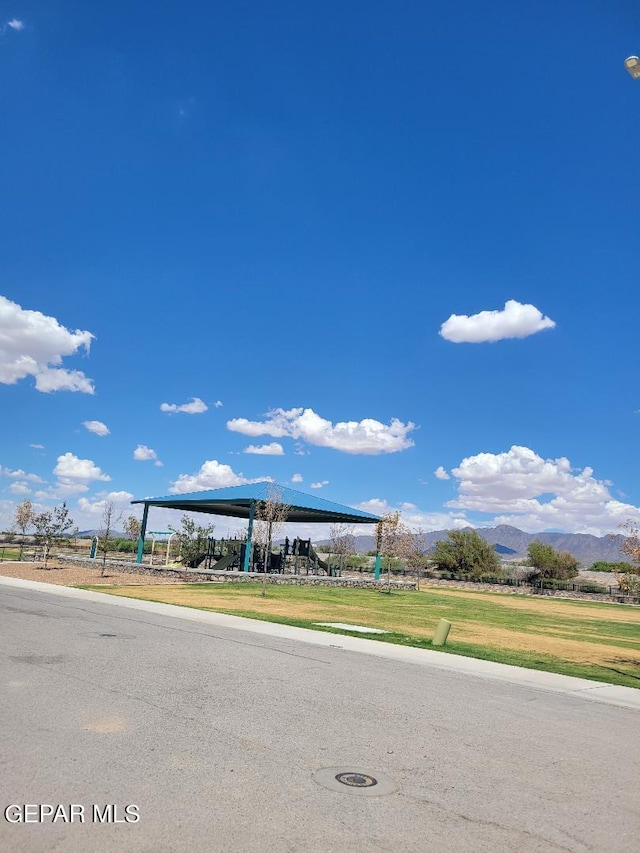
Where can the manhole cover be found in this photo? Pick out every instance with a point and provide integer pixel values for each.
(355, 780)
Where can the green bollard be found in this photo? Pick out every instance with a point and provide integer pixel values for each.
(442, 632)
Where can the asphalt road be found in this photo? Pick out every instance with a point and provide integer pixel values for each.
(228, 740)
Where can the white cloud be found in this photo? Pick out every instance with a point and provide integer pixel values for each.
(19, 488)
(515, 320)
(217, 404)
(74, 474)
(319, 484)
(415, 518)
(195, 407)
(441, 474)
(273, 449)
(30, 342)
(367, 436)
(19, 474)
(142, 453)
(96, 427)
(97, 506)
(297, 478)
(537, 494)
(212, 475)
(37, 446)
(15, 24)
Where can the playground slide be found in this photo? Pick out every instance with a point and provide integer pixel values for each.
(316, 559)
(224, 562)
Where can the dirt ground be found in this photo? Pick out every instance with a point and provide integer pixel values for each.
(74, 575)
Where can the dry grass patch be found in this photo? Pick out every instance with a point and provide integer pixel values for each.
(591, 640)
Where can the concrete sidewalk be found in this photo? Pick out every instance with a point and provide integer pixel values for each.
(595, 691)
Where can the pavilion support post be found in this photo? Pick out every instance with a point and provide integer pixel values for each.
(143, 530)
(247, 550)
(378, 550)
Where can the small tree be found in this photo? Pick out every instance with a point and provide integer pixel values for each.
(193, 540)
(270, 517)
(465, 552)
(50, 526)
(549, 563)
(23, 520)
(110, 518)
(343, 542)
(415, 552)
(629, 581)
(132, 527)
(393, 541)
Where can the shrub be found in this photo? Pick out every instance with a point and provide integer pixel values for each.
(465, 552)
(549, 563)
(602, 566)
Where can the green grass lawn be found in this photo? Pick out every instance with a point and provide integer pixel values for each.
(9, 552)
(585, 639)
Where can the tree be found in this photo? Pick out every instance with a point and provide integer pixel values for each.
(50, 526)
(23, 520)
(193, 540)
(270, 516)
(415, 552)
(631, 545)
(392, 540)
(465, 552)
(110, 518)
(629, 581)
(132, 528)
(343, 542)
(549, 563)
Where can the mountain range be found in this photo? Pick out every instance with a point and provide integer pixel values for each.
(511, 542)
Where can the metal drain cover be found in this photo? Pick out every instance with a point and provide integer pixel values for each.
(355, 780)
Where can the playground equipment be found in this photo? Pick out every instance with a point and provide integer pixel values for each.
(154, 533)
(292, 557)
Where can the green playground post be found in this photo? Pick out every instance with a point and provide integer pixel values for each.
(143, 530)
(377, 569)
(247, 550)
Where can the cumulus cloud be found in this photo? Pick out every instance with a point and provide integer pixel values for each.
(30, 342)
(441, 474)
(320, 484)
(415, 518)
(97, 505)
(368, 436)
(15, 24)
(195, 407)
(19, 488)
(142, 453)
(212, 475)
(297, 478)
(273, 449)
(19, 474)
(515, 320)
(217, 404)
(96, 427)
(536, 494)
(74, 474)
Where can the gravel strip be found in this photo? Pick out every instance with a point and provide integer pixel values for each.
(74, 575)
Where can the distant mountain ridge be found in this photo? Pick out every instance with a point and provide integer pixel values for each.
(513, 542)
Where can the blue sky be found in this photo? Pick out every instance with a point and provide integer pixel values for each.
(362, 243)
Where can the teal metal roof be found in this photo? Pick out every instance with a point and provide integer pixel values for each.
(235, 501)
